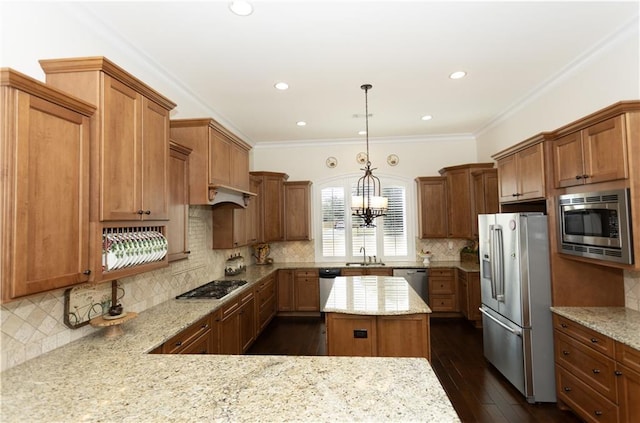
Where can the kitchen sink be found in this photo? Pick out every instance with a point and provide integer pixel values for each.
(359, 263)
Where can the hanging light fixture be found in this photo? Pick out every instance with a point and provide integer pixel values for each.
(368, 203)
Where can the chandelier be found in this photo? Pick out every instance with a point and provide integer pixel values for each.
(368, 203)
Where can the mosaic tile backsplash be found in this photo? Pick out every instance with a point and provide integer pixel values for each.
(35, 325)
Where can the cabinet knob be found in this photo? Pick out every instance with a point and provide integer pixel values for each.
(87, 272)
(594, 340)
(178, 343)
(578, 176)
(567, 389)
(564, 325)
(147, 212)
(188, 252)
(618, 373)
(515, 194)
(597, 413)
(140, 212)
(585, 176)
(596, 371)
(565, 352)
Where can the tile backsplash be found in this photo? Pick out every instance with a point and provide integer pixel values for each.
(35, 325)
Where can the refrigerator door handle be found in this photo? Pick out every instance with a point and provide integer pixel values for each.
(516, 332)
(493, 260)
(499, 255)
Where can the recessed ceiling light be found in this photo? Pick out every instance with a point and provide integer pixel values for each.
(362, 133)
(282, 86)
(301, 123)
(458, 75)
(241, 8)
(426, 117)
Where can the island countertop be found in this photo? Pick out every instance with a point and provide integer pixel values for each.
(373, 296)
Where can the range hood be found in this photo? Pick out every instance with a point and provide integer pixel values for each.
(225, 194)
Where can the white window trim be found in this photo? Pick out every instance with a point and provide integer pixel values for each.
(344, 180)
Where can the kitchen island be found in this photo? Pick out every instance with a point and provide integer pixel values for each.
(376, 316)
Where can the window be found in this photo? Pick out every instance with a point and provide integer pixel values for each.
(342, 236)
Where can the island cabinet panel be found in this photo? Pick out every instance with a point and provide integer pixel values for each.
(595, 154)
(351, 335)
(178, 226)
(404, 336)
(44, 189)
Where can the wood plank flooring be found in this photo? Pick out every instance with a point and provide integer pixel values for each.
(478, 392)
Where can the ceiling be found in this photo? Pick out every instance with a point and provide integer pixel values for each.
(325, 50)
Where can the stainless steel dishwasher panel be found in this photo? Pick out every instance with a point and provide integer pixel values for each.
(418, 279)
(327, 275)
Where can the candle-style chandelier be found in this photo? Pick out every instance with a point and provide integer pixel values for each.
(368, 203)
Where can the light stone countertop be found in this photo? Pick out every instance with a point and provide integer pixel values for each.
(373, 296)
(113, 380)
(619, 323)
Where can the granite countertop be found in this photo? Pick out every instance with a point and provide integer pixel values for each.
(619, 323)
(373, 296)
(113, 379)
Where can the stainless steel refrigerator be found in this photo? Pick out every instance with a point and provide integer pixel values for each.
(516, 296)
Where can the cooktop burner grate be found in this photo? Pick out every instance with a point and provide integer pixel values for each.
(213, 289)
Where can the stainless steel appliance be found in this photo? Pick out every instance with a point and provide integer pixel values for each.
(213, 290)
(418, 280)
(327, 275)
(516, 296)
(596, 225)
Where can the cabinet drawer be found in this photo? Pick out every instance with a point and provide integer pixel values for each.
(443, 303)
(441, 286)
(628, 356)
(586, 402)
(592, 367)
(306, 273)
(444, 273)
(589, 337)
(202, 345)
(230, 308)
(246, 296)
(178, 342)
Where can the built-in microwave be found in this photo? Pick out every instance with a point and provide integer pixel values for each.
(596, 225)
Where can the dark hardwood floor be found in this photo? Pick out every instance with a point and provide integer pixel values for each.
(478, 392)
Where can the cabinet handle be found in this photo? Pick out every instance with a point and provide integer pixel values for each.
(585, 176)
(597, 413)
(594, 340)
(140, 212)
(178, 343)
(204, 326)
(578, 177)
(567, 389)
(87, 272)
(188, 252)
(515, 194)
(618, 373)
(565, 352)
(596, 371)
(564, 325)
(147, 212)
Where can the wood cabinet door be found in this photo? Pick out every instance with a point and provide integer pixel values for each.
(45, 196)
(272, 202)
(459, 201)
(507, 179)
(473, 297)
(404, 336)
(178, 225)
(485, 188)
(239, 172)
(463, 294)
(286, 300)
(230, 329)
(351, 335)
(247, 320)
(605, 151)
(530, 165)
(154, 161)
(219, 159)
(432, 207)
(297, 199)
(568, 161)
(120, 152)
(628, 384)
(307, 292)
(253, 208)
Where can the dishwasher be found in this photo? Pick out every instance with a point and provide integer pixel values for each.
(327, 275)
(418, 280)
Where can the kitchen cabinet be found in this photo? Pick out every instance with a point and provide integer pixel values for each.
(270, 203)
(196, 339)
(266, 302)
(178, 225)
(521, 171)
(432, 207)
(462, 215)
(220, 160)
(129, 155)
(469, 296)
(596, 377)
(230, 328)
(252, 211)
(229, 226)
(351, 335)
(44, 190)
(595, 154)
(485, 188)
(297, 203)
(443, 295)
(307, 290)
(367, 271)
(286, 300)
(247, 320)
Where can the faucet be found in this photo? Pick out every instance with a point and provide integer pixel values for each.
(364, 256)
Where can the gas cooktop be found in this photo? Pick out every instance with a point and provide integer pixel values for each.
(213, 289)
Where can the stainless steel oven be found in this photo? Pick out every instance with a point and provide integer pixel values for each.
(596, 225)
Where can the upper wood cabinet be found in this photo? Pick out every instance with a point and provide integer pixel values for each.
(178, 226)
(432, 207)
(229, 225)
(297, 203)
(521, 171)
(130, 136)
(219, 158)
(485, 188)
(44, 189)
(595, 154)
(462, 216)
(253, 211)
(270, 203)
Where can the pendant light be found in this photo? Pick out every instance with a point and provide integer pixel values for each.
(368, 203)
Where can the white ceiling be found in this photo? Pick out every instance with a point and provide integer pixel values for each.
(325, 50)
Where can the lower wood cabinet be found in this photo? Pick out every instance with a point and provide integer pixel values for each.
(266, 303)
(371, 271)
(298, 290)
(443, 295)
(378, 336)
(469, 296)
(230, 328)
(247, 320)
(596, 377)
(196, 339)
(285, 297)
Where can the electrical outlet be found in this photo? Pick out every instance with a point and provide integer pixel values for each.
(360, 333)
(450, 245)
